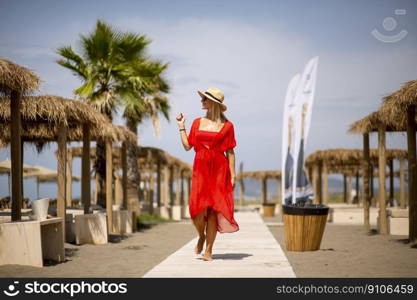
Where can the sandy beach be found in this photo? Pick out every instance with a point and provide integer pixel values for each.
(346, 251)
(133, 256)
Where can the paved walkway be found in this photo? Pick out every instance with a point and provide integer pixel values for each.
(250, 252)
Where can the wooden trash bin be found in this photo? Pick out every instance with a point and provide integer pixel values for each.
(304, 226)
(269, 209)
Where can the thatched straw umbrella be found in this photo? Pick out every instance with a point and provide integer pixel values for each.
(108, 132)
(375, 122)
(349, 162)
(50, 118)
(44, 175)
(16, 81)
(263, 176)
(118, 154)
(399, 110)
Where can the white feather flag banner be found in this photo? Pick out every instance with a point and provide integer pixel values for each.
(302, 191)
(288, 139)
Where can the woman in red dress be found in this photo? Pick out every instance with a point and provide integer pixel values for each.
(213, 179)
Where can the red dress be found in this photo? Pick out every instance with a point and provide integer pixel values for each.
(211, 179)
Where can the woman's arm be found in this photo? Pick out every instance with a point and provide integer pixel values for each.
(184, 140)
(231, 157)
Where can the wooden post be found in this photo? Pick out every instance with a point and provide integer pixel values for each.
(177, 184)
(402, 192)
(357, 187)
(109, 190)
(325, 196)
(158, 182)
(151, 188)
(118, 190)
(85, 171)
(279, 191)
(171, 185)
(371, 175)
(165, 186)
(412, 173)
(320, 183)
(15, 154)
(37, 188)
(382, 162)
(391, 182)
(62, 155)
(315, 176)
(182, 187)
(345, 200)
(366, 188)
(69, 178)
(21, 170)
(264, 190)
(124, 174)
(349, 189)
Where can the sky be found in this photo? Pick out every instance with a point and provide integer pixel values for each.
(248, 49)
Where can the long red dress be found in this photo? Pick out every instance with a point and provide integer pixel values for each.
(211, 179)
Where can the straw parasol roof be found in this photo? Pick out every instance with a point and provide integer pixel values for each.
(49, 132)
(16, 78)
(394, 107)
(41, 114)
(45, 175)
(260, 174)
(52, 109)
(344, 157)
(370, 123)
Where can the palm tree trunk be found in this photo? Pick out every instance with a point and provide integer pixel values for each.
(100, 166)
(133, 175)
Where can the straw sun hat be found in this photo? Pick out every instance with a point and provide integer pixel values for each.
(214, 94)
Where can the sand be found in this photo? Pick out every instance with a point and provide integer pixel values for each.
(346, 251)
(133, 256)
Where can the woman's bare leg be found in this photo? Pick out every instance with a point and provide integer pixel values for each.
(211, 233)
(200, 225)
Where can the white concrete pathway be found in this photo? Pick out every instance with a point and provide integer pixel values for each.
(250, 252)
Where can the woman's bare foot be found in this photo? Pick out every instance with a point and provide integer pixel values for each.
(207, 255)
(200, 244)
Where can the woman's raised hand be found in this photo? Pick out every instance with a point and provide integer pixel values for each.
(181, 120)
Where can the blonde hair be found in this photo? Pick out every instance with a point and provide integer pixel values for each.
(217, 112)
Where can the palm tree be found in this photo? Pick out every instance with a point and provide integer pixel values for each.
(116, 71)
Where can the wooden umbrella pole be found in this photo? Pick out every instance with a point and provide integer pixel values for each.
(344, 189)
(382, 162)
(412, 173)
(109, 189)
(85, 171)
(177, 185)
(264, 190)
(357, 187)
(62, 155)
(320, 185)
(391, 182)
(402, 192)
(37, 187)
(366, 188)
(158, 182)
(69, 178)
(325, 184)
(315, 176)
(16, 157)
(349, 189)
(124, 178)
